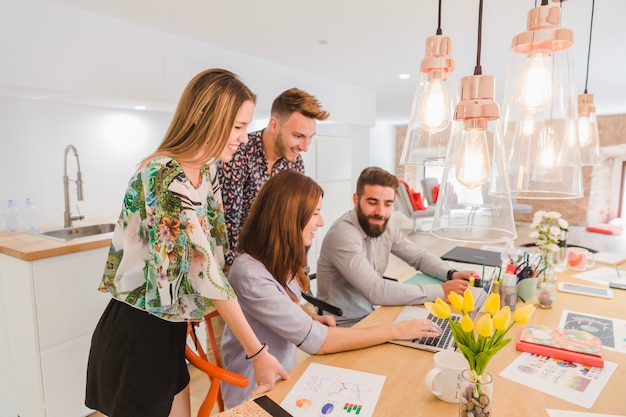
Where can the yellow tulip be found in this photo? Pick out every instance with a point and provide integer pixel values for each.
(468, 300)
(484, 326)
(429, 306)
(466, 323)
(522, 314)
(502, 318)
(457, 301)
(442, 308)
(492, 305)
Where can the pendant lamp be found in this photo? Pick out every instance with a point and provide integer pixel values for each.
(428, 131)
(474, 203)
(540, 117)
(587, 122)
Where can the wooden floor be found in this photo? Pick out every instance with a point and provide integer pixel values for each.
(398, 269)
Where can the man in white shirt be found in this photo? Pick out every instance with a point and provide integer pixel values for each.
(355, 254)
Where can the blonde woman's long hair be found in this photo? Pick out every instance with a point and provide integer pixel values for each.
(204, 117)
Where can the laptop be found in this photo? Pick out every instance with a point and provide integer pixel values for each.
(474, 256)
(445, 341)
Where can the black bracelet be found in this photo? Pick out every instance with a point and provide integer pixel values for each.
(450, 273)
(260, 350)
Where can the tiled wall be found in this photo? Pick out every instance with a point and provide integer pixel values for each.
(612, 130)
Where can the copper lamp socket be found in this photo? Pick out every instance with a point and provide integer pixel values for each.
(437, 56)
(477, 99)
(585, 105)
(543, 32)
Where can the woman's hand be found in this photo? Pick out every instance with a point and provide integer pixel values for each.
(412, 329)
(266, 369)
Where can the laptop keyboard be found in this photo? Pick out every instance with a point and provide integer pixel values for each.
(443, 339)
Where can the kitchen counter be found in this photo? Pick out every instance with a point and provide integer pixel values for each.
(28, 247)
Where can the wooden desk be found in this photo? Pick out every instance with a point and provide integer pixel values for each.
(404, 392)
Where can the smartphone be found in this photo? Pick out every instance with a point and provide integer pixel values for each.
(585, 290)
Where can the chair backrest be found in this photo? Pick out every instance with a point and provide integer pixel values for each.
(195, 354)
(404, 200)
(428, 184)
(319, 304)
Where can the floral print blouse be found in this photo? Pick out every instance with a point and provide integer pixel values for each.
(166, 255)
(242, 178)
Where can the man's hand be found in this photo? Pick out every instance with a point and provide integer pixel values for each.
(454, 285)
(462, 275)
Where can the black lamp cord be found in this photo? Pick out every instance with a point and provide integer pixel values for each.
(439, 31)
(589, 47)
(478, 69)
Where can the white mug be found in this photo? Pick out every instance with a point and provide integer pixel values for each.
(444, 379)
(579, 259)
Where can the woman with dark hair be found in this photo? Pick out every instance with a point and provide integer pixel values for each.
(268, 276)
(165, 263)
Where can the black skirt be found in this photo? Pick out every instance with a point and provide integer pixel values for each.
(136, 363)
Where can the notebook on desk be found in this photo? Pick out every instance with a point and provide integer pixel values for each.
(474, 256)
(445, 341)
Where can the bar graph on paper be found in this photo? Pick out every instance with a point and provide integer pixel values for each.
(328, 390)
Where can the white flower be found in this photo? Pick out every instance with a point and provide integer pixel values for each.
(548, 230)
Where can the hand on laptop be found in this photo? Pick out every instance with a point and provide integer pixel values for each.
(416, 328)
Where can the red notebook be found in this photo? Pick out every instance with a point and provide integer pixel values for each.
(566, 344)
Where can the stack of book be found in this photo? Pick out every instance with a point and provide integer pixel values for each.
(565, 344)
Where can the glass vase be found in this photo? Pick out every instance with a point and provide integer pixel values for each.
(546, 287)
(546, 294)
(475, 394)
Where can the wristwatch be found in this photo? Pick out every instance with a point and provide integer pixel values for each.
(449, 275)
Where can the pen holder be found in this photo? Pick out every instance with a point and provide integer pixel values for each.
(508, 296)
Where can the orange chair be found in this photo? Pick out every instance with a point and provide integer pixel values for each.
(196, 355)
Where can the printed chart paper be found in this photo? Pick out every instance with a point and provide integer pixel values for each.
(602, 275)
(612, 332)
(578, 384)
(567, 413)
(328, 390)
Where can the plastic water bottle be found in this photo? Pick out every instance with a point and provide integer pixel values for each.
(29, 215)
(11, 217)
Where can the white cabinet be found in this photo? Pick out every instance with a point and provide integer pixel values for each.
(52, 307)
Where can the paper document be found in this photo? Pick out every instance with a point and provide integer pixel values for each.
(603, 275)
(610, 331)
(567, 413)
(578, 384)
(323, 389)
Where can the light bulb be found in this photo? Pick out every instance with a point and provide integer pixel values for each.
(586, 130)
(473, 165)
(535, 89)
(434, 110)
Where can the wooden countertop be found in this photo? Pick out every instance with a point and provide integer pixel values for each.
(28, 247)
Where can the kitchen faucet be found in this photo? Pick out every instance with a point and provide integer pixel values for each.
(68, 217)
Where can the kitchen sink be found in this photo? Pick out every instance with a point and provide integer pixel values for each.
(77, 232)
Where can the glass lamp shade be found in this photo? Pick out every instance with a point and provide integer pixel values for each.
(428, 131)
(540, 126)
(588, 131)
(474, 203)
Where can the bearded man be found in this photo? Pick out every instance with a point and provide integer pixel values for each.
(355, 254)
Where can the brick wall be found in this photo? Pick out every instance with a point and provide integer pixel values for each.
(612, 130)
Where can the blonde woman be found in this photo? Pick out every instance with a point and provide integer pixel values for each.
(165, 263)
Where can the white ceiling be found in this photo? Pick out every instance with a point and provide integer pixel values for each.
(369, 43)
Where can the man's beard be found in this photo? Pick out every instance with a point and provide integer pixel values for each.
(372, 230)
